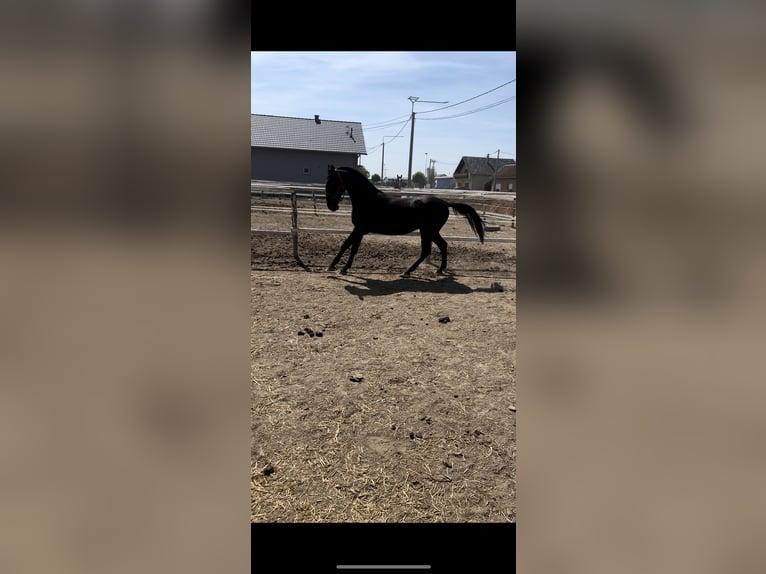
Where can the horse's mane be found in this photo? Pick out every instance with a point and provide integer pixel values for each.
(356, 178)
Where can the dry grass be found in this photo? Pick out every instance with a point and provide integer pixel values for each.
(427, 435)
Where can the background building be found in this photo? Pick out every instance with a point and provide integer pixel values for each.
(505, 180)
(300, 149)
(443, 181)
(476, 172)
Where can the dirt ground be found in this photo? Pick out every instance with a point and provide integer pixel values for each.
(377, 398)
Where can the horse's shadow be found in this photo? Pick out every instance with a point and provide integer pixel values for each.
(366, 287)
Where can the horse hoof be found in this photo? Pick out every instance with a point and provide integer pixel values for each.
(331, 268)
(405, 275)
(343, 271)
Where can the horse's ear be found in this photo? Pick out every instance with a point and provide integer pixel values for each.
(330, 169)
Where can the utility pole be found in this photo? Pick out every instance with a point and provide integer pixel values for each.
(383, 156)
(431, 173)
(494, 174)
(414, 99)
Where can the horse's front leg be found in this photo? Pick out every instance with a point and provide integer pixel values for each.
(346, 244)
(357, 240)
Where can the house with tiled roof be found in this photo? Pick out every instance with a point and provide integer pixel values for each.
(477, 172)
(298, 150)
(505, 179)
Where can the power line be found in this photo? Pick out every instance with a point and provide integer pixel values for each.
(481, 109)
(369, 129)
(469, 99)
(394, 120)
(403, 125)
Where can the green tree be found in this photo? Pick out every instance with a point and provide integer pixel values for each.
(363, 171)
(419, 179)
(375, 178)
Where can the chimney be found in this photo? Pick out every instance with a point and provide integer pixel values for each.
(316, 119)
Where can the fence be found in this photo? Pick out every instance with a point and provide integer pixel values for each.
(316, 194)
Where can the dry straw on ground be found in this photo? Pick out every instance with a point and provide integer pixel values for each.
(390, 416)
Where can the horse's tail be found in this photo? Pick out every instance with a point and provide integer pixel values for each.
(473, 218)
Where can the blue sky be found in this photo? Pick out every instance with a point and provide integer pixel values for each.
(373, 88)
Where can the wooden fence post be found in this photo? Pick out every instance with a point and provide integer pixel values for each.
(294, 228)
(513, 212)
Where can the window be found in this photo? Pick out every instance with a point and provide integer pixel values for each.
(306, 171)
(510, 187)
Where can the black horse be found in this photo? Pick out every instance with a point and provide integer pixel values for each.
(373, 211)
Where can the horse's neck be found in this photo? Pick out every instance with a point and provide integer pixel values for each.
(364, 194)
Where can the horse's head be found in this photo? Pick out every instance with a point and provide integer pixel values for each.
(334, 188)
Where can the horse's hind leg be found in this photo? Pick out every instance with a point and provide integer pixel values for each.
(346, 244)
(442, 245)
(425, 251)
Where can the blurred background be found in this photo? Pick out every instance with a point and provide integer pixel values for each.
(123, 247)
(124, 287)
(641, 270)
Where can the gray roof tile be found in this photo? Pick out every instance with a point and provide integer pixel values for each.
(306, 134)
(507, 170)
(480, 165)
